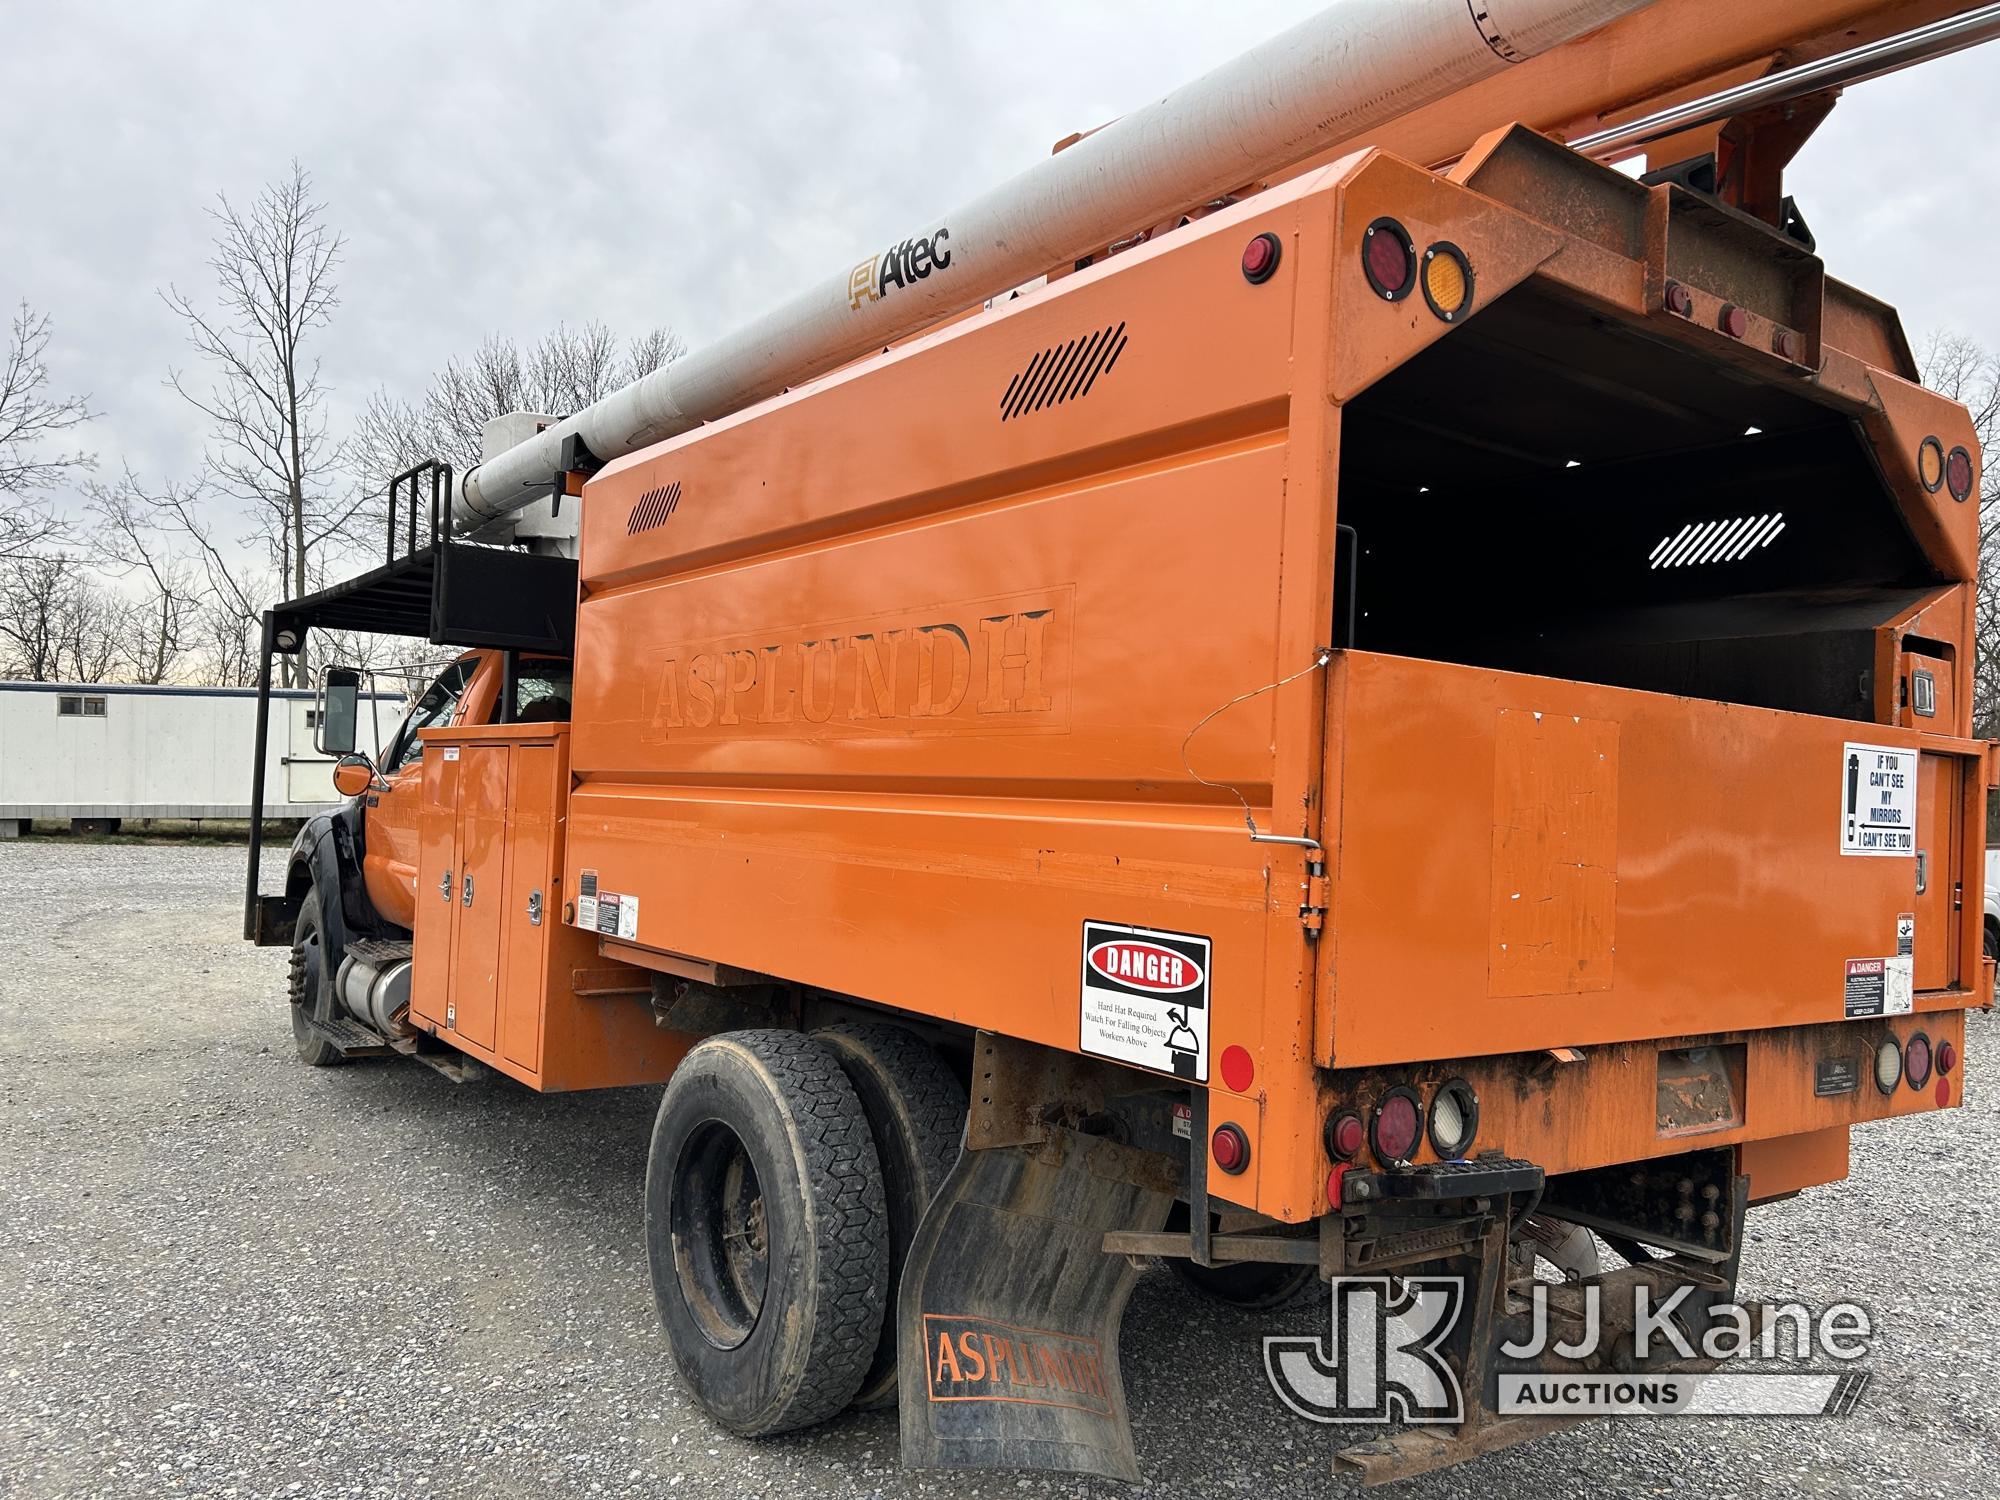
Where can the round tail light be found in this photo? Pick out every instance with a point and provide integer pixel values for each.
(1958, 474)
(1231, 1148)
(1389, 259)
(1260, 259)
(1947, 1057)
(1454, 1119)
(1888, 1065)
(1345, 1136)
(1397, 1127)
(1917, 1061)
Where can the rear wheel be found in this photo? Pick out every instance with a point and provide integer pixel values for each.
(916, 1112)
(311, 988)
(765, 1230)
(1990, 943)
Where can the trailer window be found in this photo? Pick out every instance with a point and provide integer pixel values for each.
(80, 706)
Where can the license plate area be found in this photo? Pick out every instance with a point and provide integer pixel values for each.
(1699, 1089)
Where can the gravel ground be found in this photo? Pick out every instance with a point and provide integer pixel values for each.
(226, 1274)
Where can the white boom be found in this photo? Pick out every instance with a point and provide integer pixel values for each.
(1348, 69)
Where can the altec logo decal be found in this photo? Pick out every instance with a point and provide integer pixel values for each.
(1145, 966)
(901, 265)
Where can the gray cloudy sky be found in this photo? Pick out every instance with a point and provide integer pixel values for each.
(500, 166)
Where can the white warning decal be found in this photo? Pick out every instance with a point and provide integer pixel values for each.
(1145, 998)
(617, 916)
(1878, 800)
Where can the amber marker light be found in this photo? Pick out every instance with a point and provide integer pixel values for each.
(1447, 281)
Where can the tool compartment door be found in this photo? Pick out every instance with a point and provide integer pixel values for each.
(1523, 862)
(526, 915)
(482, 892)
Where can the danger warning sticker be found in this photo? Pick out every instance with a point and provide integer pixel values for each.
(1880, 986)
(1878, 800)
(1145, 998)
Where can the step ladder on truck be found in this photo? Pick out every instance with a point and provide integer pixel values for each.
(1325, 686)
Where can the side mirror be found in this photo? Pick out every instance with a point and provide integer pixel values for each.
(341, 716)
(353, 775)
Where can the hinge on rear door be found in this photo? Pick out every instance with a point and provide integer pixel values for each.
(1312, 911)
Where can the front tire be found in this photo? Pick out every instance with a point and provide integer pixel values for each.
(311, 987)
(766, 1230)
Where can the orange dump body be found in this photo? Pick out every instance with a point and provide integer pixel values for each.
(945, 682)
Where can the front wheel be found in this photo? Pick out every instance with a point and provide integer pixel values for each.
(766, 1230)
(311, 988)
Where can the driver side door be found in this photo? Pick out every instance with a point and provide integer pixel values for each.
(390, 841)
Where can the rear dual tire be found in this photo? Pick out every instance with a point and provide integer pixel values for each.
(766, 1231)
(786, 1178)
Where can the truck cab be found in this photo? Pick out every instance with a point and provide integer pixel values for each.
(476, 688)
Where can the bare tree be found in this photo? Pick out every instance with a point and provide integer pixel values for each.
(274, 289)
(1966, 371)
(135, 537)
(562, 373)
(56, 623)
(29, 418)
(227, 626)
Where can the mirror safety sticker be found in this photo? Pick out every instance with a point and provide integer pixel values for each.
(1145, 998)
(1878, 800)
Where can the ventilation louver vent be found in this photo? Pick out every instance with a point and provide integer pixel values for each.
(1065, 372)
(653, 508)
(1724, 541)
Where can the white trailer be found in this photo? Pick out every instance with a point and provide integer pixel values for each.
(98, 753)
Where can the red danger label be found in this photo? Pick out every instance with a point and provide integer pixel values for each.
(1145, 966)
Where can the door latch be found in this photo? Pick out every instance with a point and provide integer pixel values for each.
(1923, 872)
(444, 885)
(534, 908)
(465, 889)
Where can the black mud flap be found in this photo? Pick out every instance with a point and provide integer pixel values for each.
(1010, 1309)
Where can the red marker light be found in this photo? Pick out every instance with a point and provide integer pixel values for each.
(1345, 1135)
(1917, 1061)
(1389, 260)
(1397, 1127)
(1678, 299)
(1947, 1057)
(1733, 320)
(1958, 474)
(1260, 259)
(1231, 1148)
(1943, 1095)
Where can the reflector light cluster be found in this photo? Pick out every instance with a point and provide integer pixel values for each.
(1915, 1062)
(1397, 1124)
(1389, 261)
(1724, 541)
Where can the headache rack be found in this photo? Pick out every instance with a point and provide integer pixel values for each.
(449, 591)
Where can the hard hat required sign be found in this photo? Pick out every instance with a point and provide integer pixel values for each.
(1145, 998)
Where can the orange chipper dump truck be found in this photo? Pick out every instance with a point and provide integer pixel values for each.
(1403, 716)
